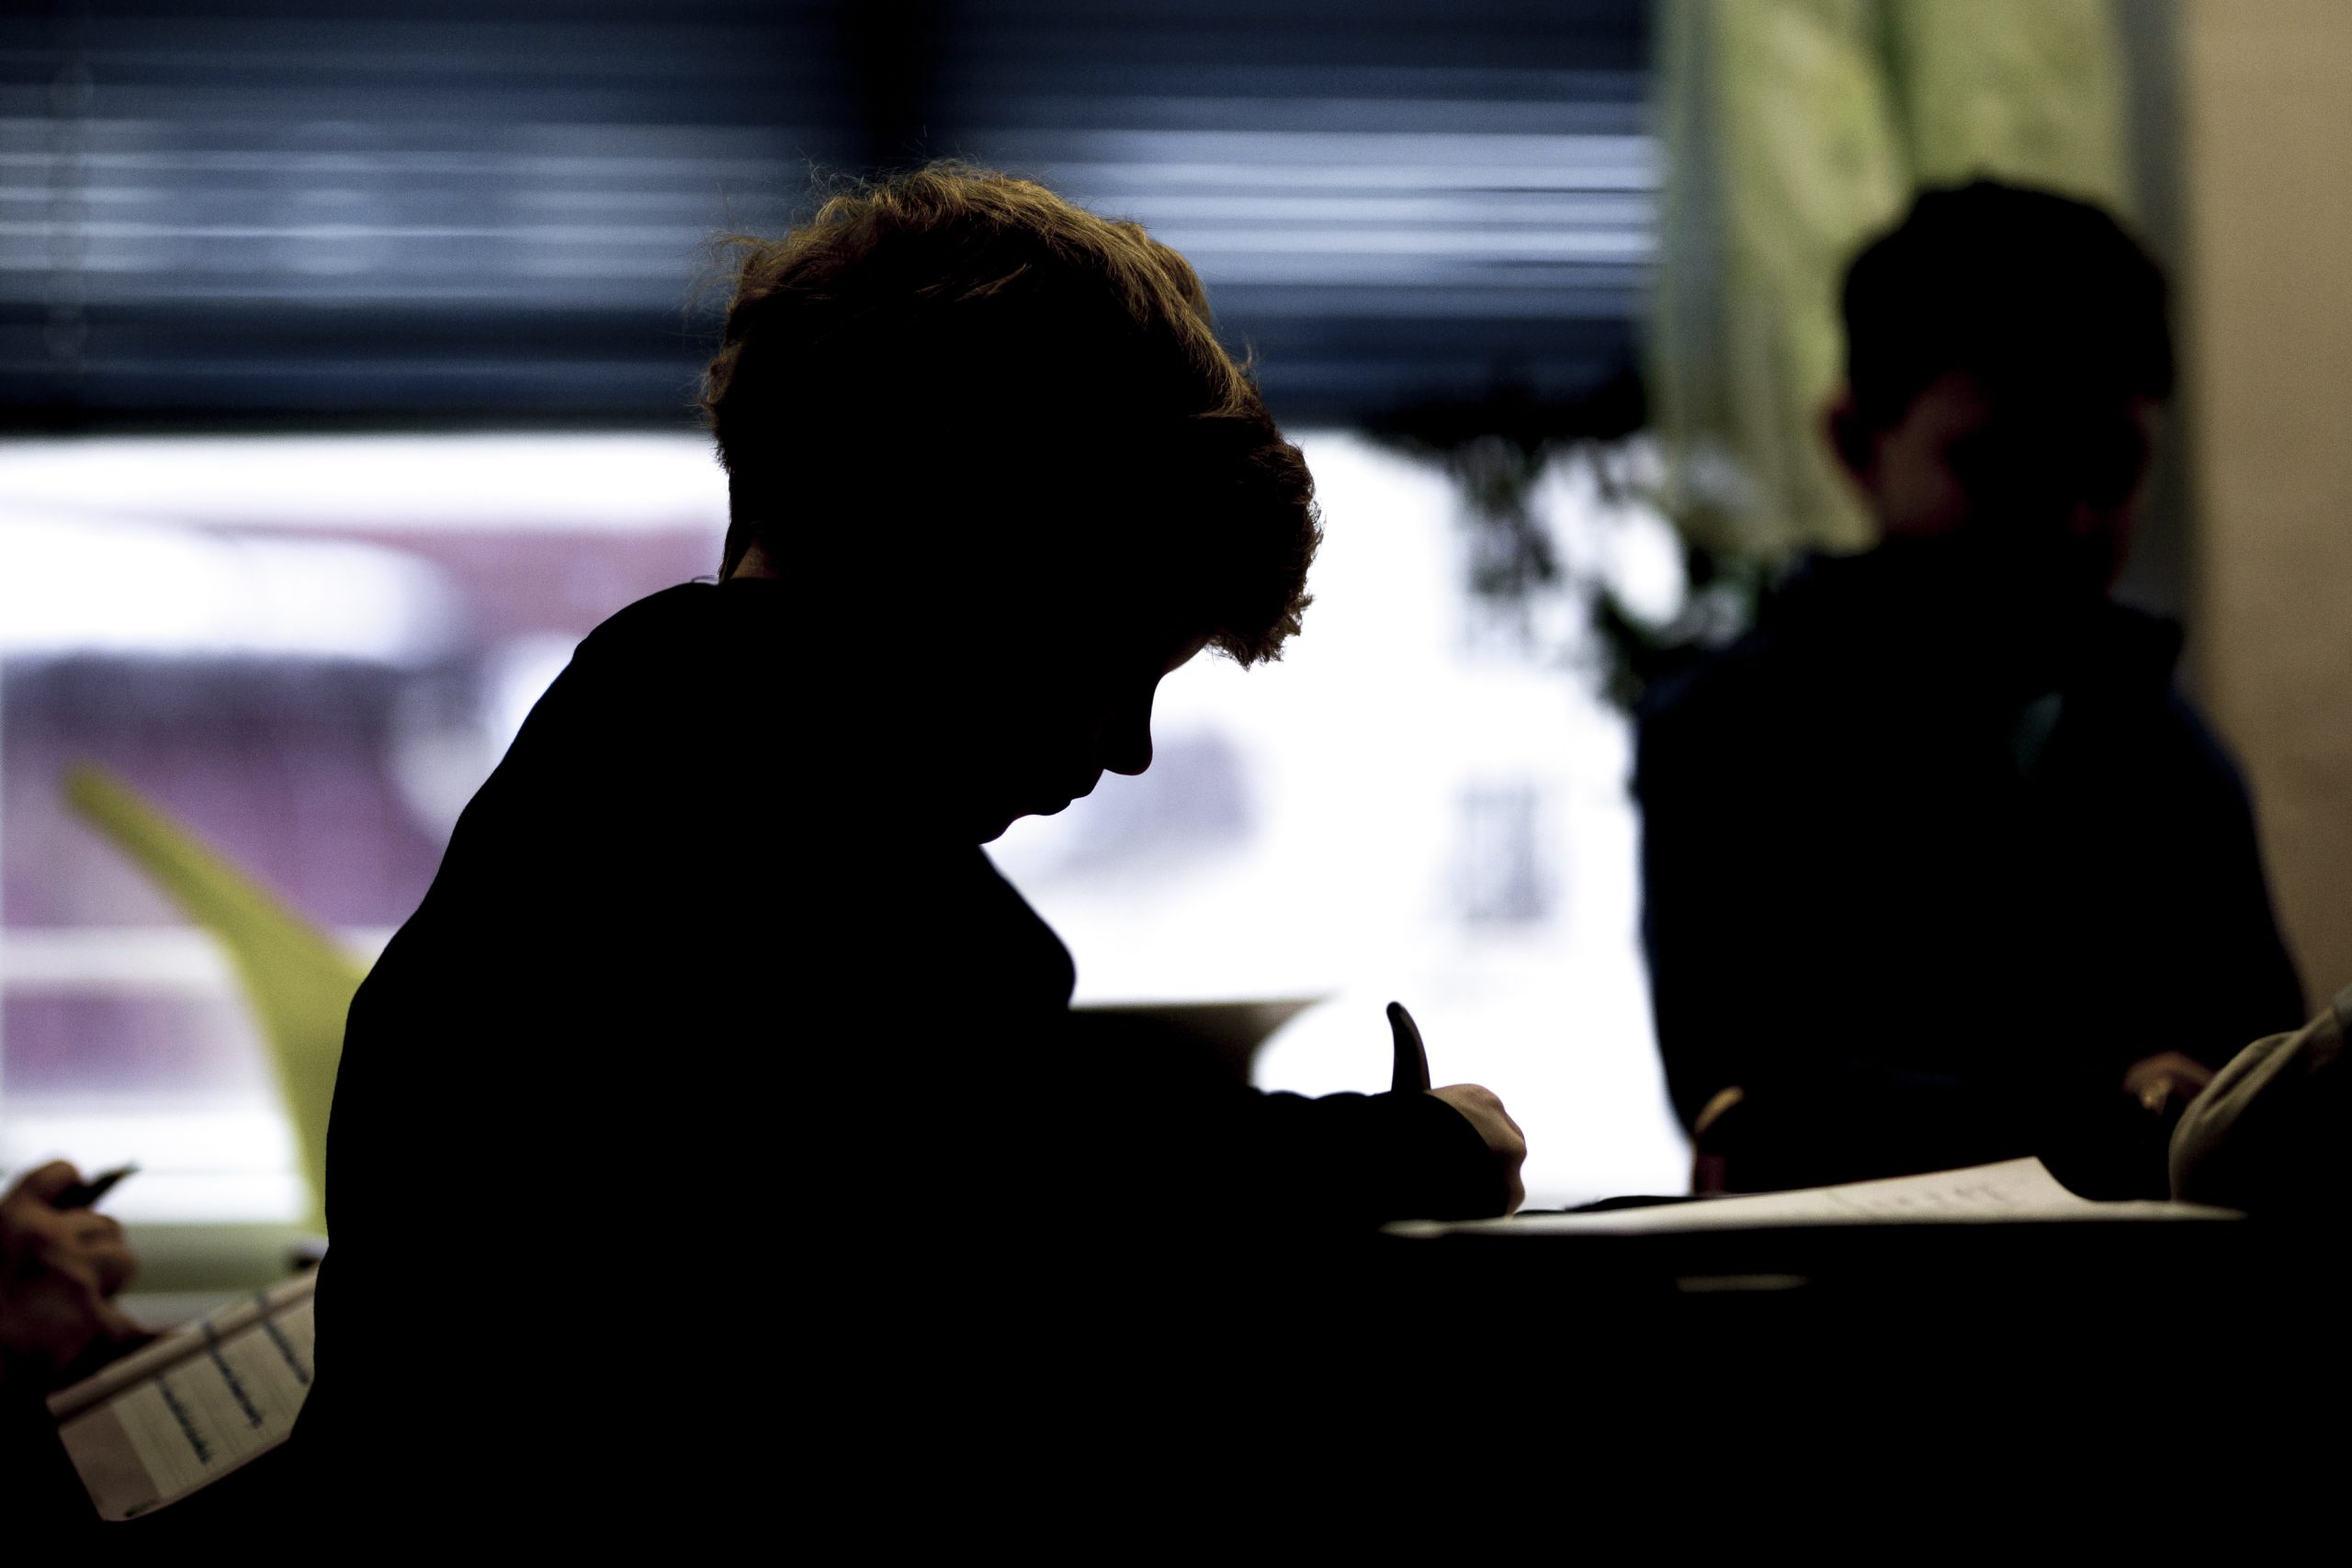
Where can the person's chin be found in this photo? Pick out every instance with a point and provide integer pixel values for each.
(1050, 805)
(997, 825)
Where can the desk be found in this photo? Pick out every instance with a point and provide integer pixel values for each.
(2076, 1347)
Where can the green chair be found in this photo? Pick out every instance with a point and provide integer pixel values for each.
(298, 982)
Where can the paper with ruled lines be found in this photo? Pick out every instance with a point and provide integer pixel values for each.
(181, 1413)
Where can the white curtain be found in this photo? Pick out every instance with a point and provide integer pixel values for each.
(1795, 131)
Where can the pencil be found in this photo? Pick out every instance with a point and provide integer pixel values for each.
(1411, 1072)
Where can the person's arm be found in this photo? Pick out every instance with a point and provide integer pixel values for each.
(2255, 988)
(1700, 931)
(1446, 1154)
(1194, 1140)
(1340, 1161)
(2222, 930)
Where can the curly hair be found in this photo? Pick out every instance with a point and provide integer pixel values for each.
(1010, 383)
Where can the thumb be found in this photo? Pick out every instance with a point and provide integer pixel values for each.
(45, 1182)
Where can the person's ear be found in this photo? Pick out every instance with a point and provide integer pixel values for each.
(1850, 436)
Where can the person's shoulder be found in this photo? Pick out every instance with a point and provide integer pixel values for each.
(2147, 647)
(1729, 712)
(1798, 628)
(1725, 692)
(699, 639)
(639, 698)
(2188, 724)
(2131, 648)
(684, 612)
(1708, 676)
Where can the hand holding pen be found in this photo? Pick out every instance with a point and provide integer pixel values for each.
(61, 1266)
(1409, 1073)
(85, 1194)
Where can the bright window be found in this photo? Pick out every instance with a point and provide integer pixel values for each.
(313, 651)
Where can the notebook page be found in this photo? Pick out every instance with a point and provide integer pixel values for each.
(233, 1393)
(2012, 1190)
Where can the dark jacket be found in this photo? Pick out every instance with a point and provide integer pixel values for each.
(699, 1080)
(1924, 873)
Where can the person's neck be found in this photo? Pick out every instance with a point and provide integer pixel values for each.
(755, 566)
(1992, 622)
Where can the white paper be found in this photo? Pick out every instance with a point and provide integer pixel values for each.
(2013, 1190)
(191, 1407)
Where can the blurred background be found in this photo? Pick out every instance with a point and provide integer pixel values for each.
(347, 356)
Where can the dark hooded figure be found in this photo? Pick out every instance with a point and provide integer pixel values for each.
(1939, 867)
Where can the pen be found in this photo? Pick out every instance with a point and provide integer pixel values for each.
(84, 1194)
(1412, 1069)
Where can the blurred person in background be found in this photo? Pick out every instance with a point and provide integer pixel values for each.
(1939, 868)
(721, 1056)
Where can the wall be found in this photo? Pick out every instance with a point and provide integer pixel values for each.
(2267, 323)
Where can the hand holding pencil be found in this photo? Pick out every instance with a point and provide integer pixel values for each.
(61, 1266)
(1409, 1073)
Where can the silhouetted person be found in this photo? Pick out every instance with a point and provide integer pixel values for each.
(719, 1115)
(1939, 868)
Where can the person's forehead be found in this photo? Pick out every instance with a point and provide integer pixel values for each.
(1160, 642)
(1966, 400)
(1956, 398)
